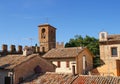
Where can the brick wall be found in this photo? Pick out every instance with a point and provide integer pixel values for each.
(26, 69)
(47, 38)
(89, 61)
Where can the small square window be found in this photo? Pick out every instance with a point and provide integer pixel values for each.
(67, 64)
(58, 64)
(114, 52)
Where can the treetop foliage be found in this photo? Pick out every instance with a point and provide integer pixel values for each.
(90, 42)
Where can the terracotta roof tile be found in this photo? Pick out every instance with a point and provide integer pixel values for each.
(11, 61)
(63, 52)
(96, 80)
(51, 78)
(114, 37)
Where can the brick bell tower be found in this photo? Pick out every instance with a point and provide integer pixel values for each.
(47, 37)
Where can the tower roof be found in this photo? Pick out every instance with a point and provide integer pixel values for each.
(46, 24)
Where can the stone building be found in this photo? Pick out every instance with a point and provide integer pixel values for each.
(47, 37)
(67, 59)
(109, 54)
(16, 68)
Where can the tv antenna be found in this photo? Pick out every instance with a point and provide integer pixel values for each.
(46, 19)
(30, 39)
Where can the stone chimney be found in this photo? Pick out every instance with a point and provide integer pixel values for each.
(4, 48)
(19, 49)
(27, 51)
(12, 49)
(37, 49)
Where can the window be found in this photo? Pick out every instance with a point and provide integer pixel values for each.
(43, 33)
(67, 64)
(84, 62)
(37, 69)
(103, 35)
(114, 51)
(58, 64)
(43, 30)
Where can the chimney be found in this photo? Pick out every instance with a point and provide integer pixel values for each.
(4, 48)
(12, 49)
(19, 49)
(27, 51)
(37, 49)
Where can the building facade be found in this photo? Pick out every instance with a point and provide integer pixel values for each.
(14, 69)
(67, 59)
(109, 54)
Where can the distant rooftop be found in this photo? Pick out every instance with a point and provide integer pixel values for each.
(114, 37)
(94, 79)
(11, 61)
(62, 78)
(50, 78)
(63, 52)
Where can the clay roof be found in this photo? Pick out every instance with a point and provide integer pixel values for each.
(64, 78)
(115, 37)
(63, 52)
(96, 80)
(11, 61)
(46, 24)
(50, 78)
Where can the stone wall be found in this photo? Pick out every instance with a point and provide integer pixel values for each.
(105, 52)
(27, 68)
(60, 45)
(47, 37)
(13, 50)
(110, 68)
(88, 64)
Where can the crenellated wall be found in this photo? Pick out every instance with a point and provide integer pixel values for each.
(60, 45)
(16, 49)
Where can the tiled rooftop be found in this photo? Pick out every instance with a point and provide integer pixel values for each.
(61, 78)
(113, 37)
(63, 52)
(51, 78)
(97, 80)
(11, 61)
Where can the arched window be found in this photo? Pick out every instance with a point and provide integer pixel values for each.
(43, 30)
(43, 33)
(102, 35)
(84, 63)
(37, 69)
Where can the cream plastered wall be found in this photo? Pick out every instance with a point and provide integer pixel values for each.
(63, 68)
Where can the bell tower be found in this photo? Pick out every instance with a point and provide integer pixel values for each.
(47, 37)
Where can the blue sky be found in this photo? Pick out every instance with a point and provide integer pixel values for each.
(19, 19)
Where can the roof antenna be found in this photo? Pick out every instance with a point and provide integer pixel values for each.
(46, 20)
(102, 30)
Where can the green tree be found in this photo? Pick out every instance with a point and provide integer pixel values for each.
(90, 42)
